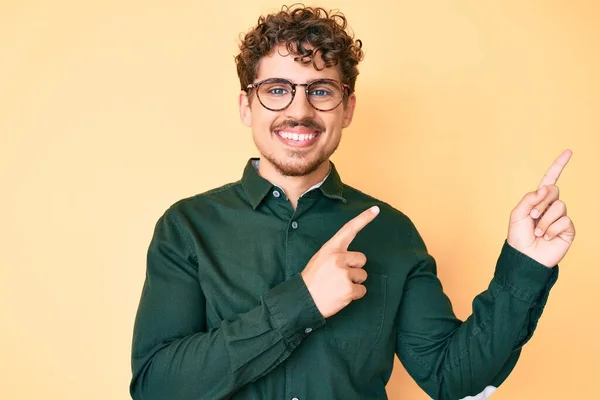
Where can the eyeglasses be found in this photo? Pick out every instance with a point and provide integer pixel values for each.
(276, 94)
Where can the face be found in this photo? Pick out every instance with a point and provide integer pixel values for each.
(298, 140)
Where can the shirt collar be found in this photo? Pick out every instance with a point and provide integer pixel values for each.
(257, 187)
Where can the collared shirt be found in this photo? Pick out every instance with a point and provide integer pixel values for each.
(256, 164)
(225, 314)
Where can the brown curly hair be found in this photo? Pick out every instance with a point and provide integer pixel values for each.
(298, 26)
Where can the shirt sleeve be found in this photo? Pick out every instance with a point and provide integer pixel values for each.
(452, 359)
(175, 356)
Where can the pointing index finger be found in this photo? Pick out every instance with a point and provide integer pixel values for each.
(555, 169)
(348, 232)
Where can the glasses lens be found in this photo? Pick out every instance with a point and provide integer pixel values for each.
(325, 95)
(275, 94)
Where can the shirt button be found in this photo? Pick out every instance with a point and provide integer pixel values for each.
(308, 330)
(295, 226)
(276, 193)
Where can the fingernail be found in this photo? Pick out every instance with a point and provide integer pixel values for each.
(375, 210)
(535, 213)
(538, 232)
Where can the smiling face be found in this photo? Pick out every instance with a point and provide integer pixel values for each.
(299, 139)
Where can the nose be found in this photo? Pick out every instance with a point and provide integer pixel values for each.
(300, 107)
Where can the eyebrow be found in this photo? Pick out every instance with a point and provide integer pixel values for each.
(292, 81)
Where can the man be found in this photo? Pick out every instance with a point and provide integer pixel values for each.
(289, 284)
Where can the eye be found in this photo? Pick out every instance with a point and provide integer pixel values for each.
(323, 90)
(320, 92)
(277, 91)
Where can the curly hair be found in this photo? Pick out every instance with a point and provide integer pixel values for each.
(296, 27)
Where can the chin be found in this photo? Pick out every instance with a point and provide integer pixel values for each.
(292, 166)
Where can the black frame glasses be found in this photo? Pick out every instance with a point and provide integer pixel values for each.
(256, 86)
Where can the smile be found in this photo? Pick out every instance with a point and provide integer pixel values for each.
(302, 140)
(299, 137)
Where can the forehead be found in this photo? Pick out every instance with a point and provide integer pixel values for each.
(280, 64)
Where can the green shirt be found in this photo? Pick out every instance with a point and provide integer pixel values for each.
(224, 312)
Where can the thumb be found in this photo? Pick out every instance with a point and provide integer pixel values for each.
(529, 201)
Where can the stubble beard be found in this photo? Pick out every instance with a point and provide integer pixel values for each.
(297, 162)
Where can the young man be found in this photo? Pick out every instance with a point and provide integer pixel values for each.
(289, 284)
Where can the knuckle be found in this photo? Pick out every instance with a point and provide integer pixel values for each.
(349, 291)
(327, 245)
(337, 259)
(513, 213)
(350, 226)
(359, 292)
(346, 226)
(362, 260)
(347, 274)
(360, 277)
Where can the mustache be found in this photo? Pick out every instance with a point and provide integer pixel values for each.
(292, 123)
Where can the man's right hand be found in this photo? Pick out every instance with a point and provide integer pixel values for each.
(334, 275)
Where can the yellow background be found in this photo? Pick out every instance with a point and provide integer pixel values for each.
(110, 111)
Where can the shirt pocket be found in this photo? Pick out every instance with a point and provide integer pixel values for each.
(358, 326)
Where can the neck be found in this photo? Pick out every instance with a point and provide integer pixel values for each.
(293, 186)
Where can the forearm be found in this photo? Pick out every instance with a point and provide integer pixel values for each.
(216, 363)
(454, 359)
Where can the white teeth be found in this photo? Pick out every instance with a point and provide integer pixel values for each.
(296, 136)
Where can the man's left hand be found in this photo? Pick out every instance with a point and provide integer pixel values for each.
(539, 226)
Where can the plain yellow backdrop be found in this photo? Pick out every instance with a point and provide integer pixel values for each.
(110, 111)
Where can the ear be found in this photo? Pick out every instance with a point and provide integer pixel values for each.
(349, 111)
(245, 111)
